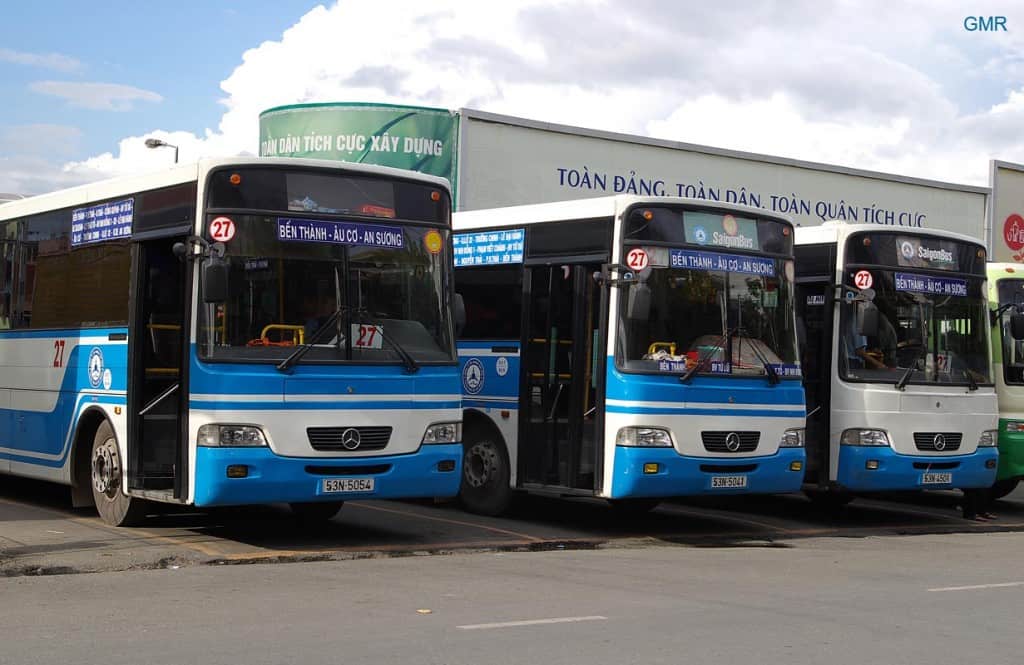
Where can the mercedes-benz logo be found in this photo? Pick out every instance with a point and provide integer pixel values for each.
(350, 438)
(939, 442)
(732, 442)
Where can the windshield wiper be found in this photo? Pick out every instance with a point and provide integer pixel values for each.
(304, 348)
(773, 376)
(411, 366)
(972, 383)
(717, 346)
(902, 383)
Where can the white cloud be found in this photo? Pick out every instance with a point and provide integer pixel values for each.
(55, 61)
(96, 96)
(891, 86)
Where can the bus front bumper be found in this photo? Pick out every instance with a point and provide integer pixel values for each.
(679, 475)
(896, 472)
(433, 471)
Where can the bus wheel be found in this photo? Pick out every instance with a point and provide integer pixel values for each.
(114, 506)
(633, 507)
(1004, 487)
(485, 477)
(830, 499)
(316, 512)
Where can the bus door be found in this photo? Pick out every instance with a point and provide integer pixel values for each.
(563, 362)
(815, 302)
(157, 353)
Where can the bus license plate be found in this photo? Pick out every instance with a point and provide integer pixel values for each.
(342, 485)
(728, 482)
(936, 478)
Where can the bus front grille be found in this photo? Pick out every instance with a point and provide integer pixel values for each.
(931, 442)
(348, 439)
(723, 442)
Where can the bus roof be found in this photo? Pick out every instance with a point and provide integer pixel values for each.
(836, 230)
(604, 206)
(195, 171)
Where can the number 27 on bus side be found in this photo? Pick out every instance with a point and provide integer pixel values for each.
(366, 336)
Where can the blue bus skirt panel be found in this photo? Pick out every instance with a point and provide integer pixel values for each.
(680, 475)
(906, 472)
(272, 478)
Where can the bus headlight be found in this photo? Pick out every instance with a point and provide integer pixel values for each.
(230, 436)
(643, 437)
(988, 438)
(443, 433)
(865, 437)
(1015, 426)
(792, 438)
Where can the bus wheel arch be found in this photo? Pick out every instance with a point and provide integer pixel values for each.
(486, 472)
(81, 455)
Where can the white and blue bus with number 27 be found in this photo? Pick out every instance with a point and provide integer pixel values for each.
(627, 348)
(232, 332)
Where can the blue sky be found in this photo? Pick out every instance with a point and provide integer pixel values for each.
(179, 50)
(889, 85)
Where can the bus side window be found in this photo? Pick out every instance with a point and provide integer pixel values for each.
(493, 298)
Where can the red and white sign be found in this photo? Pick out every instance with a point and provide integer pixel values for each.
(222, 229)
(637, 259)
(1013, 232)
(863, 279)
(367, 336)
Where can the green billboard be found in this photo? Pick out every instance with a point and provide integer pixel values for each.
(406, 137)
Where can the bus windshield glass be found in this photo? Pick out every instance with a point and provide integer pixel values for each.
(1011, 292)
(931, 329)
(923, 298)
(378, 285)
(709, 312)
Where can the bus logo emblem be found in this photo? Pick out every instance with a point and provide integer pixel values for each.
(939, 442)
(351, 438)
(95, 367)
(732, 442)
(473, 377)
(907, 249)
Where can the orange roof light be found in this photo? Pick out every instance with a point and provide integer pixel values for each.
(235, 179)
(648, 215)
(785, 230)
(435, 196)
(867, 242)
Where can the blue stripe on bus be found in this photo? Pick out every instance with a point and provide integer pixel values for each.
(701, 389)
(115, 400)
(58, 333)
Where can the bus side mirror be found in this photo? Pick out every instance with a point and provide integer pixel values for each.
(638, 307)
(1017, 326)
(460, 314)
(867, 320)
(215, 281)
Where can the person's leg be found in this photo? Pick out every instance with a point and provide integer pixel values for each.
(970, 504)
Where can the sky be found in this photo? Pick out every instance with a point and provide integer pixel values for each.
(898, 86)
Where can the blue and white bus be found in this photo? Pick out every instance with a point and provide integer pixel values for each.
(627, 348)
(232, 332)
(900, 394)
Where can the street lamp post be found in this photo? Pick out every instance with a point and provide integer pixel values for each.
(157, 143)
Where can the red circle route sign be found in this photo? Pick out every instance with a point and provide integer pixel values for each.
(1013, 232)
(863, 279)
(222, 229)
(637, 259)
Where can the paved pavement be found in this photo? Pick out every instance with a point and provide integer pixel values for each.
(937, 599)
(40, 534)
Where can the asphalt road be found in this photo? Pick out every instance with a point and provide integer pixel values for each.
(40, 534)
(935, 599)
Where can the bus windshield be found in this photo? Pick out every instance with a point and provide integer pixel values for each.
(930, 329)
(1011, 292)
(711, 313)
(288, 277)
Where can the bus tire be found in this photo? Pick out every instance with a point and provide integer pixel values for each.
(485, 476)
(634, 507)
(1004, 487)
(315, 512)
(106, 477)
(830, 499)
